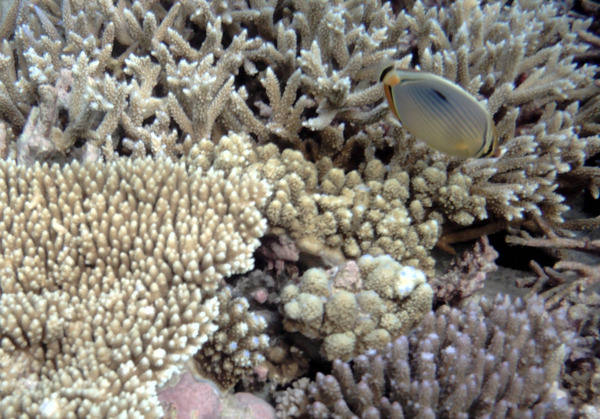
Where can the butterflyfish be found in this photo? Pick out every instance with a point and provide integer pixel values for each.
(440, 113)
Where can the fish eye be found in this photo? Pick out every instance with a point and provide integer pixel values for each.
(385, 71)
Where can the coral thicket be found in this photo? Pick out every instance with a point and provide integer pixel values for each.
(152, 153)
(495, 358)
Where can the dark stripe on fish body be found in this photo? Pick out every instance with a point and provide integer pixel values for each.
(447, 111)
(437, 92)
(429, 106)
(490, 148)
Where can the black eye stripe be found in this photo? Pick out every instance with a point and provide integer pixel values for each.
(384, 72)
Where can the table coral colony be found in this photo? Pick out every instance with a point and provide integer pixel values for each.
(219, 189)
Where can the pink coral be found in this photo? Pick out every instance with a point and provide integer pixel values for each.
(347, 277)
(249, 406)
(188, 397)
(278, 252)
(261, 295)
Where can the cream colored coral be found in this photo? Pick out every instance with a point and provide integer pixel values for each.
(307, 308)
(387, 299)
(388, 278)
(316, 281)
(236, 348)
(107, 277)
(341, 310)
(340, 346)
(338, 211)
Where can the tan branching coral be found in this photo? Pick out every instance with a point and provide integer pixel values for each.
(108, 278)
(138, 85)
(356, 308)
(520, 58)
(293, 85)
(495, 358)
(158, 78)
(573, 272)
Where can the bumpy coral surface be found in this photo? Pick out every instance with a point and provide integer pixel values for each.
(107, 277)
(355, 308)
(236, 348)
(324, 208)
(187, 397)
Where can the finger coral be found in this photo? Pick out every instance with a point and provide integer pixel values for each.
(495, 358)
(108, 278)
(355, 308)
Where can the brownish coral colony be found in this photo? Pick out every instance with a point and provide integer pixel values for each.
(494, 358)
(197, 190)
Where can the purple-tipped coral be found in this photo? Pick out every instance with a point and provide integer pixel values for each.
(498, 359)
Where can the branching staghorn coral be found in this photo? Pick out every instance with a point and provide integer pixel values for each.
(108, 278)
(573, 272)
(493, 358)
(120, 97)
(159, 78)
(207, 77)
(521, 57)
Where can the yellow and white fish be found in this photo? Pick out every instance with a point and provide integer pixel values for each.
(440, 113)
